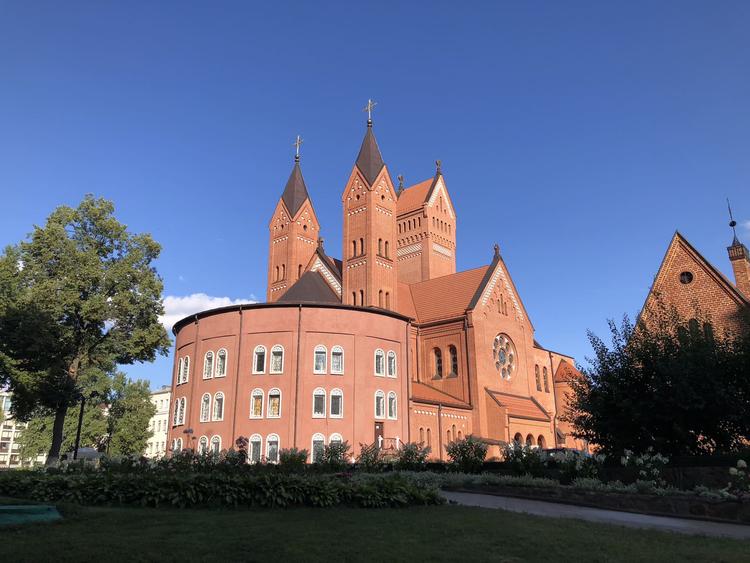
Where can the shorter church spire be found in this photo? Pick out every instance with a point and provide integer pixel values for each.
(295, 191)
(369, 160)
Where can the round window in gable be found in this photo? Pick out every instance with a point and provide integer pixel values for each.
(504, 354)
(686, 277)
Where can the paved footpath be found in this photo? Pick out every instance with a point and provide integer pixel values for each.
(557, 510)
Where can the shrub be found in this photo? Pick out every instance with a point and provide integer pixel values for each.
(739, 480)
(522, 459)
(335, 456)
(467, 454)
(649, 465)
(411, 457)
(576, 465)
(369, 458)
(292, 460)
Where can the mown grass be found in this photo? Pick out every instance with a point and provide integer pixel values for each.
(438, 533)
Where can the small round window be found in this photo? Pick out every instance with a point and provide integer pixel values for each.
(504, 354)
(686, 277)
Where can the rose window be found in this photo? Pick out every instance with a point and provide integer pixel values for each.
(504, 354)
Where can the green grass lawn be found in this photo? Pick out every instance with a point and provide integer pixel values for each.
(441, 533)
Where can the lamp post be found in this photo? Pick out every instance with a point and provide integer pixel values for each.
(80, 422)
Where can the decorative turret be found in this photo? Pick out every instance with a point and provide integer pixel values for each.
(740, 258)
(293, 230)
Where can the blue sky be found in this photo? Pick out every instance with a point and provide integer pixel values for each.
(578, 135)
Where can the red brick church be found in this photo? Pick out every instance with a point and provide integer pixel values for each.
(388, 344)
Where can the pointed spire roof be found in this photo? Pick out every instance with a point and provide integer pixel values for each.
(370, 161)
(295, 192)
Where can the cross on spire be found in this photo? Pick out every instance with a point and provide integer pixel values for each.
(368, 108)
(297, 144)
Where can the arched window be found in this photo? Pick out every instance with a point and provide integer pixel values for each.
(448, 436)
(518, 438)
(274, 403)
(277, 359)
(354, 297)
(379, 404)
(206, 408)
(546, 380)
(176, 416)
(177, 445)
(387, 250)
(380, 247)
(219, 406)
(529, 440)
(272, 448)
(221, 363)
(538, 379)
(203, 445)
(354, 248)
(179, 371)
(391, 363)
(318, 444)
(299, 271)
(337, 360)
(183, 402)
(320, 359)
(421, 435)
(361, 246)
(380, 298)
(337, 403)
(454, 359)
(256, 404)
(335, 439)
(319, 403)
(208, 365)
(362, 297)
(259, 359)
(460, 435)
(392, 406)
(215, 445)
(379, 362)
(277, 274)
(541, 442)
(186, 369)
(255, 448)
(387, 299)
(429, 438)
(437, 355)
(283, 271)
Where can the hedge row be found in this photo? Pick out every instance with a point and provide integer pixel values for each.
(190, 490)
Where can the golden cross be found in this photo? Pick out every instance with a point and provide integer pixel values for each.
(368, 108)
(297, 144)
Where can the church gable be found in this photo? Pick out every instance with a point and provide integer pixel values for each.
(438, 198)
(498, 295)
(280, 220)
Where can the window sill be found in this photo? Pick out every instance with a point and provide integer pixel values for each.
(318, 416)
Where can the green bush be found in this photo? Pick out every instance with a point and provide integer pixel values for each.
(369, 459)
(411, 457)
(293, 460)
(335, 456)
(523, 460)
(467, 454)
(576, 465)
(217, 489)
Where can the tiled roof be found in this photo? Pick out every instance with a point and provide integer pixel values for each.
(310, 288)
(405, 304)
(333, 264)
(447, 296)
(520, 407)
(428, 394)
(414, 196)
(295, 192)
(565, 372)
(370, 161)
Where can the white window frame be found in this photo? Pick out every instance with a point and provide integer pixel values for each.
(207, 417)
(259, 439)
(226, 362)
(183, 408)
(392, 394)
(223, 407)
(381, 394)
(176, 414)
(255, 359)
(389, 355)
(339, 393)
(179, 371)
(378, 352)
(276, 348)
(270, 438)
(319, 391)
(337, 350)
(211, 442)
(186, 369)
(335, 437)
(200, 448)
(275, 390)
(317, 437)
(208, 373)
(320, 348)
(257, 392)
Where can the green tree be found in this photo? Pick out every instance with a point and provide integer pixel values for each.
(672, 384)
(78, 297)
(130, 411)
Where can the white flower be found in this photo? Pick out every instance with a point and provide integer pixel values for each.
(742, 464)
(733, 471)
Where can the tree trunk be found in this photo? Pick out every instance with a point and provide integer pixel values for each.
(57, 435)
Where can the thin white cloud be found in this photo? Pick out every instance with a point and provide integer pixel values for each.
(178, 307)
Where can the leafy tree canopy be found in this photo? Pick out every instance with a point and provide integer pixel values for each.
(672, 384)
(76, 299)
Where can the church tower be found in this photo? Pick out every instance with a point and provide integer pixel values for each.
(294, 231)
(369, 230)
(740, 258)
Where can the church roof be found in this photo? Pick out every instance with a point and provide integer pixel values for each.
(370, 161)
(427, 394)
(444, 297)
(565, 372)
(295, 192)
(310, 288)
(520, 407)
(415, 196)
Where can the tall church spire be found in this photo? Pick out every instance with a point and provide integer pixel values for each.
(295, 192)
(370, 161)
